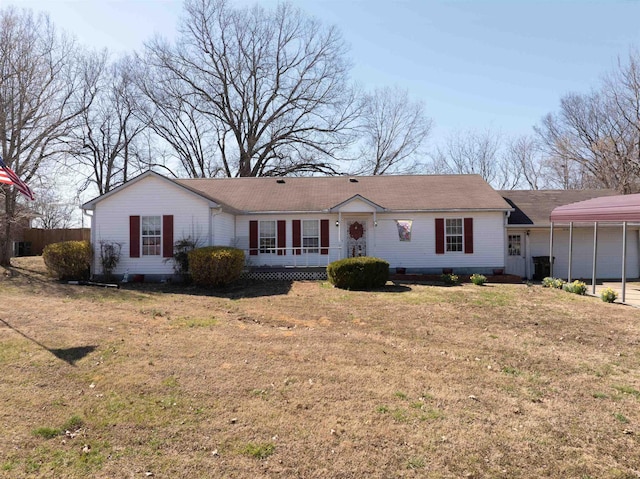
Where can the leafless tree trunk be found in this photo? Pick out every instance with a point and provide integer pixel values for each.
(393, 132)
(524, 154)
(43, 89)
(273, 86)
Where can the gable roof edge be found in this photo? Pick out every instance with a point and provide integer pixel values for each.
(90, 205)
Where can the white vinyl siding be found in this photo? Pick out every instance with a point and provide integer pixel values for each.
(609, 265)
(419, 253)
(149, 197)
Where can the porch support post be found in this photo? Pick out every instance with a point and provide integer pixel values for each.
(340, 251)
(570, 251)
(595, 257)
(624, 259)
(551, 251)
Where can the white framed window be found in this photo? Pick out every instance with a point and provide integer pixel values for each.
(515, 245)
(151, 229)
(311, 236)
(453, 234)
(267, 237)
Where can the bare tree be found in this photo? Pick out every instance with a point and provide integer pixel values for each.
(480, 153)
(596, 136)
(173, 112)
(52, 210)
(104, 139)
(272, 84)
(393, 132)
(42, 91)
(523, 154)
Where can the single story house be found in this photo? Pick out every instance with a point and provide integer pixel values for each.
(294, 227)
(422, 223)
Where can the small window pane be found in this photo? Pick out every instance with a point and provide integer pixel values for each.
(453, 234)
(267, 236)
(151, 235)
(310, 236)
(515, 245)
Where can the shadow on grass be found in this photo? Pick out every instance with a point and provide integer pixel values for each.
(68, 355)
(237, 290)
(71, 355)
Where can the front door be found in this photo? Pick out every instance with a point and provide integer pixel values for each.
(515, 255)
(356, 238)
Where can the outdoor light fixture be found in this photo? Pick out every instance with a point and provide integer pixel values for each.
(337, 223)
(375, 223)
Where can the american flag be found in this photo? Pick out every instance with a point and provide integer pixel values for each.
(10, 178)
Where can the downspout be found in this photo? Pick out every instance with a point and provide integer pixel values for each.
(527, 257)
(93, 238)
(212, 236)
(505, 239)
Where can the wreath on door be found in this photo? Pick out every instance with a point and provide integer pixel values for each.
(356, 231)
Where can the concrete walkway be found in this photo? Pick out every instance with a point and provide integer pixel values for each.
(632, 293)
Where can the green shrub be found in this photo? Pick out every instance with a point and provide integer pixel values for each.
(450, 278)
(478, 279)
(68, 259)
(181, 249)
(556, 283)
(363, 273)
(215, 265)
(608, 295)
(577, 287)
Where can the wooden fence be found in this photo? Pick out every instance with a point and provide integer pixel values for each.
(39, 238)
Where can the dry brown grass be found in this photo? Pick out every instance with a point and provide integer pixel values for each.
(304, 380)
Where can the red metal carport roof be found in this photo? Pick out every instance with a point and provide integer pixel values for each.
(607, 208)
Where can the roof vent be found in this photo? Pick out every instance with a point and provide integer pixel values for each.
(281, 181)
(353, 180)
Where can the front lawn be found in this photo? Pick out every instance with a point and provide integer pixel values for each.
(305, 380)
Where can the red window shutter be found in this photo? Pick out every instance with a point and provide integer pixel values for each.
(253, 238)
(324, 236)
(296, 226)
(167, 236)
(439, 235)
(468, 235)
(282, 237)
(134, 236)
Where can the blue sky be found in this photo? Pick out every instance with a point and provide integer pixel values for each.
(475, 64)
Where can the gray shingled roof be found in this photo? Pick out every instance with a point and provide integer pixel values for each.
(308, 194)
(533, 207)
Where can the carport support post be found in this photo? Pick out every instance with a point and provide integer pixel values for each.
(551, 251)
(570, 250)
(595, 256)
(624, 259)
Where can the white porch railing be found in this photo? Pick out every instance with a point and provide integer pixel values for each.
(290, 258)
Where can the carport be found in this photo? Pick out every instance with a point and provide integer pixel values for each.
(616, 210)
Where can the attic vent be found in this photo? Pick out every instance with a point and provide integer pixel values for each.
(353, 180)
(281, 181)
